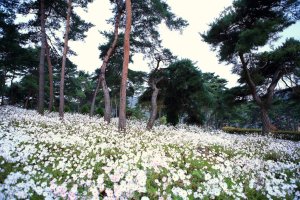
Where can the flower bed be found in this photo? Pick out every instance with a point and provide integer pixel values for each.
(85, 158)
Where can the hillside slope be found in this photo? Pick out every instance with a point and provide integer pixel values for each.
(85, 158)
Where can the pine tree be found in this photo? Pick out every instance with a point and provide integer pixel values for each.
(244, 27)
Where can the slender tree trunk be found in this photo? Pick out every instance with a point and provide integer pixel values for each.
(12, 78)
(42, 61)
(153, 105)
(2, 97)
(111, 106)
(107, 107)
(294, 124)
(50, 69)
(101, 79)
(62, 76)
(3, 81)
(116, 104)
(122, 110)
(94, 98)
(27, 100)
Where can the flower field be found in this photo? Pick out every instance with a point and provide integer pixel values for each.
(42, 157)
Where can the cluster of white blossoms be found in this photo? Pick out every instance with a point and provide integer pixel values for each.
(83, 157)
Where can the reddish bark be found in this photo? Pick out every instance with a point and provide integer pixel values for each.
(122, 110)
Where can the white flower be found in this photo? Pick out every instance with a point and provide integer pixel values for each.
(81, 146)
(72, 195)
(251, 183)
(109, 192)
(207, 176)
(94, 192)
(175, 177)
(89, 173)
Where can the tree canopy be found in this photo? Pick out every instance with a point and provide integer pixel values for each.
(238, 33)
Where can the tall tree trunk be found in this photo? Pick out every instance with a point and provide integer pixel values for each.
(267, 126)
(101, 79)
(153, 105)
(42, 61)
(122, 110)
(3, 80)
(155, 91)
(62, 75)
(152, 83)
(50, 69)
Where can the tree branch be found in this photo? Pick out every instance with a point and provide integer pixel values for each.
(271, 88)
(249, 79)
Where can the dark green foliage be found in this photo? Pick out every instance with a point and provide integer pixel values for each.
(146, 17)
(13, 57)
(56, 14)
(229, 129)
(67, 108)
(240, 112)
(172, 115)
(285, 58)
(286, 108)
(20, 63)
(134, 113)
(85, 109)
(215, 111)
(243, 28)
(114, 67)
(288, 135)
(185, 93)
(99, 111)
(191, 96)
(248, 24)
(78, 86)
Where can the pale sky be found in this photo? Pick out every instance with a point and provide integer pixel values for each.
(187, 44)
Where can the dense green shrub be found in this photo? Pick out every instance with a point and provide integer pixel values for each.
(134, 113)
(288, 135)
(163, 120)
(99, 111)
(67, 108)
(229, 129)
(85, 109)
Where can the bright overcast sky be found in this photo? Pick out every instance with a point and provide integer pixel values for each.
(187, 44)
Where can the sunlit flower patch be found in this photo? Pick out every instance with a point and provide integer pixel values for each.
(42, 157)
